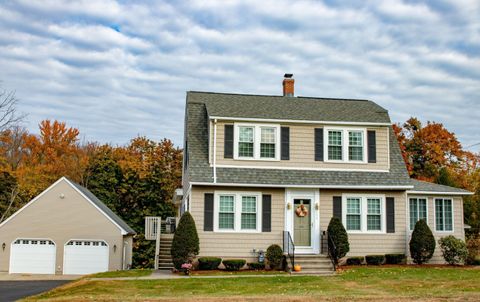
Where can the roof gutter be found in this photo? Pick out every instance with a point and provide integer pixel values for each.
(297, 121)
(300, 186)
(440, 193)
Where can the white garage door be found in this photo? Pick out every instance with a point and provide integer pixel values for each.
(34, 256)
(83, 257)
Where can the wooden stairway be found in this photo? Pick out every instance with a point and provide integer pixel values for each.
(165, 258)
(313, 265)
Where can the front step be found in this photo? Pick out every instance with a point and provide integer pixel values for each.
(312, 265)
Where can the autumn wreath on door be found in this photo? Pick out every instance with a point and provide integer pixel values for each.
(301, 211)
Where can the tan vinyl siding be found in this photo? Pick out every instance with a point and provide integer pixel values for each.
(302, 150)
(368, 244)
(60, 220)
(458, 226)
(237, 245)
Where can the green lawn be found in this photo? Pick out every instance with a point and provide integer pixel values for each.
(126, 273)
(363, 283)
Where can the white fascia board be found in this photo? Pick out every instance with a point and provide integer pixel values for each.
(297, 121)
(302, 186)
(440, 193)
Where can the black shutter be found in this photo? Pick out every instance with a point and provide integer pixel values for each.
(372, 146)
(285, 143)
(228, 142)
(390, 214)
(337, 207)
(319, 144)
(266, 213)
(208, 212)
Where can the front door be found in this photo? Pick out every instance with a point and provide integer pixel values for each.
(302, 219)
(302, 223)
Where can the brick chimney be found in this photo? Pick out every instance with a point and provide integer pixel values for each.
(288, 85)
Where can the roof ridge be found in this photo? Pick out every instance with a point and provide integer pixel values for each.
(280, 96)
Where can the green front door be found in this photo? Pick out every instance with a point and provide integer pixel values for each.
(302, 222)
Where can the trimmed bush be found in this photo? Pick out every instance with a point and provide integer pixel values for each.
(256, 266)
(233, 264)
(209, 263)
(274, 256)
(355, 261)
(473, 246)
(185, 244)
(394, 258)
(422, 244)
(454, 250)
(476, 261)
(375, 259)
(339, 236)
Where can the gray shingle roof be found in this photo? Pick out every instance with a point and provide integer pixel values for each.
(103, 208)
(199, 170)
(293, 108)
(423, 186)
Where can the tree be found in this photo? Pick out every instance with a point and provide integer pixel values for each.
(185, 244)
(427, 149)
(8, 110)
(422, 243)
(337, 236)
(454, 250)
(9, 199)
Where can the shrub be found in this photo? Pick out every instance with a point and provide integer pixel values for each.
(256, 266)
(338, 235)
(473, 246)
(394, 258)
(375, 259)
(209, 263)
(274, 256)
(476, 261)
(355, 261)
(185, 245)
(454, 250)
(422, 243)
(233, 264)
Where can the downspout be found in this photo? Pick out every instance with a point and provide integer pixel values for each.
(215, 151)
(407, 228)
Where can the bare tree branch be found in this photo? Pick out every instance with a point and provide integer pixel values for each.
(13, 196)
(8, 110)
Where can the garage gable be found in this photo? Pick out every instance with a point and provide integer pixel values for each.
(66, 205)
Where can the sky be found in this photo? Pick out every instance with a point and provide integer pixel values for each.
(118, 69)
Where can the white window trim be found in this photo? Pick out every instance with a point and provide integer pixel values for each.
(364, 213)
(435, 215)
(256, 141)
(416, 197)
(237, 228)
(345, 144)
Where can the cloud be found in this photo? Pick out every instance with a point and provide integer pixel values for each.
(119, 69)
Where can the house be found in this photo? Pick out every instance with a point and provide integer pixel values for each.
(260, 169)
(65, 230)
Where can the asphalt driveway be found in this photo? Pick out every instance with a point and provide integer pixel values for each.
(14, 290)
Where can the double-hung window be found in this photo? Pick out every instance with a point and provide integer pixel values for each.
(443, 215)
(364, 214)
(246, 139)
(335, 142)
(418, 210)
(345, 145)
(355, 145)
(257, 142)
(237, 212)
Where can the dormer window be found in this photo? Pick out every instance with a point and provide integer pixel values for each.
(257, 142)
(345, 145)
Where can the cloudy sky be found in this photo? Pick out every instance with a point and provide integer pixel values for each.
(117, 69)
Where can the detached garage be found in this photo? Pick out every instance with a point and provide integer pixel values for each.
(65, 230)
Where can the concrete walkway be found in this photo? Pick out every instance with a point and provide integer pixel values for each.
(167, 275)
